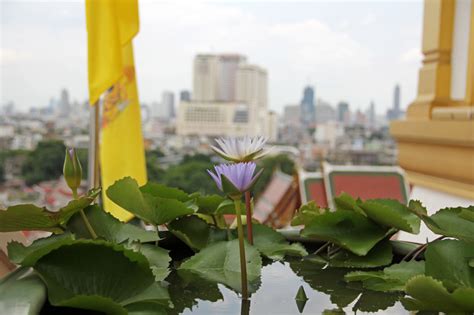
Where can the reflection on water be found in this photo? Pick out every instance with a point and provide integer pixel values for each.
(325, 288)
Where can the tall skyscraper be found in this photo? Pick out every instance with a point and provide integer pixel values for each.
(395, 112)
(308, 111)
(215, 76)
(229, 98)
(167, 101)
(396, 98)
(343, 112)
(184, 96)
(371, 115)
(63, 105)
(164, 109)
(228, 65)
(205, 77)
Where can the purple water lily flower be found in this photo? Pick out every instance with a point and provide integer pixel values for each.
(235, 178)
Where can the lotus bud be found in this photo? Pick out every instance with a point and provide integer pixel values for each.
(72, 169)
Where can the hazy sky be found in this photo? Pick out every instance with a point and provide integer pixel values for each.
(354, 51)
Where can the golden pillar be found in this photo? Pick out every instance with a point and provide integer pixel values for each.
(436, 140)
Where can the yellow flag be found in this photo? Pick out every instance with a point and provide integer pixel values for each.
(111, 26)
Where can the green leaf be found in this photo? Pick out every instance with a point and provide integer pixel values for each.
(373, 301)
(196, 288)
(195, 232)
(108, 227)
(274, 245)
(146, 308)
(29, 255)
(220, 263)
(301, 294)
(417, 207)
(301, 299)
(345, 202)
(380, 255)
(162, 191)
(155, 210)
(428, 294)
(453, 222)
(448, 261)
(158, 258)
(166, 210)
(28, 217)
(306, 213)
(98, 275)
(209, 204)
(22, 295)
(327, 280)
(392, 278)
(347, 229)
(392, 213)
(228, 207)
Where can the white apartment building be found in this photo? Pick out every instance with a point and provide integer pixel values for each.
(214, 119)
(230, 98)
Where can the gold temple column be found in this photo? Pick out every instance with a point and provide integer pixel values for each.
(436, 140)
(435, 75)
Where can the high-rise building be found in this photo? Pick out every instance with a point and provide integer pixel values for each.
(292, 115)
(371, 115)
(228, 66)
(205, 77)
(184, 96)
(167, 101)
(343, 112)
(324, 112)
(63, 105)
(251, 89)
(308, 110)
(229, 97)
(395, 112)
(396, 98)
(215, 75)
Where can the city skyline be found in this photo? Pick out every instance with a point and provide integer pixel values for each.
(337, 48)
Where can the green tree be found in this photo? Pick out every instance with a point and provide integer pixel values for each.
(154, 172)
(45, 162)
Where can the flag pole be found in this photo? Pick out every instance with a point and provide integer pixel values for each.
(93, 155)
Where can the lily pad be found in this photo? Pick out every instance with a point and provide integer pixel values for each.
(448, 261)
(28, 217)
(158, 258)
(345, 202)
(196, 288)
(109, 228)
(22, 295)
(209, 204)
(327, 280)
(116, 277)
(29, 255)
(153, 209)
(347, 229)
(392, 213)
(195, 232)
(428, 294)
(453, 222)
(392, 278)
(306, 213)
(220, 262)
(274, 245)
(158, 190)
(380, 255)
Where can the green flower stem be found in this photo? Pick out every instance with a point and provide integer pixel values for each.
(84, 217)
(243, 261)
(248, 213)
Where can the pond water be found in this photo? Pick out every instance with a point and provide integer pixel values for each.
(325, 288)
